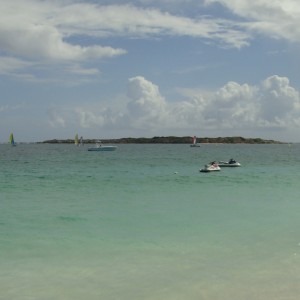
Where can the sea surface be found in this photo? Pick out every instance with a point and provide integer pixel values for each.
(142, 223)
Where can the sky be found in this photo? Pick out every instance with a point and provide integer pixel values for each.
(145, 68)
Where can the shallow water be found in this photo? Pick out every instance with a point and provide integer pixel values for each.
(143, 223)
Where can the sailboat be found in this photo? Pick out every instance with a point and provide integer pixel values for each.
(195, 144)
(76, 140)
(11, 140)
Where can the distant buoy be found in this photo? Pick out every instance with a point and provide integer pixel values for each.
(175, 172)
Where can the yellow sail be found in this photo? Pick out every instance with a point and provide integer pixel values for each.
(76, 139)
(11, 139)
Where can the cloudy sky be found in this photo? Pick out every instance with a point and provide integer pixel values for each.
(144, 68)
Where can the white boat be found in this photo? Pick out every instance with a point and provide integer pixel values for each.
(211, 167)
(100, 147)
(12, 140)
(195, 144)
(230, 163)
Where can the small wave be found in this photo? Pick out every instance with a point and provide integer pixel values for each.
(69, 219)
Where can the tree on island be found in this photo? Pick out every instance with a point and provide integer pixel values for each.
(171, 140)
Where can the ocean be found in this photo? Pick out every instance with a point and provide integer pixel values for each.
(142, 223)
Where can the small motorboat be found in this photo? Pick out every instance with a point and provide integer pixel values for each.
(100, 147)
(211, 167)
(230, 163)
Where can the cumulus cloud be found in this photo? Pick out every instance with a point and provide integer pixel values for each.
(147, 106)
(273, 103)
(279, 101)
(230, 106)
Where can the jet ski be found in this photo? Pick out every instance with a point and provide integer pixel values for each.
(230, 163)
(211, 167)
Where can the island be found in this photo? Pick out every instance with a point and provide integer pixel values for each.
(170, 140)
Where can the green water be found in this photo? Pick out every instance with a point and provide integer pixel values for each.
(143, 223)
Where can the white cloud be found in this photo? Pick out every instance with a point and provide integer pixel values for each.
(231, 106)
(31, 29)
(15, 67)
(55, 118)
(49, 31)
(6, 107)
(146, 109)
(146, 106)
(10, 64)
(279, 101)
(88, 119)
(77, 69)
(35, 32)
(32, 34)
(271, 104)
(132, 21)
(277, 19)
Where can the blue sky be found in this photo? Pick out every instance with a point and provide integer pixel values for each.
(112, 69)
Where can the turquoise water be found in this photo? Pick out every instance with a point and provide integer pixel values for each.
(143, 223)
